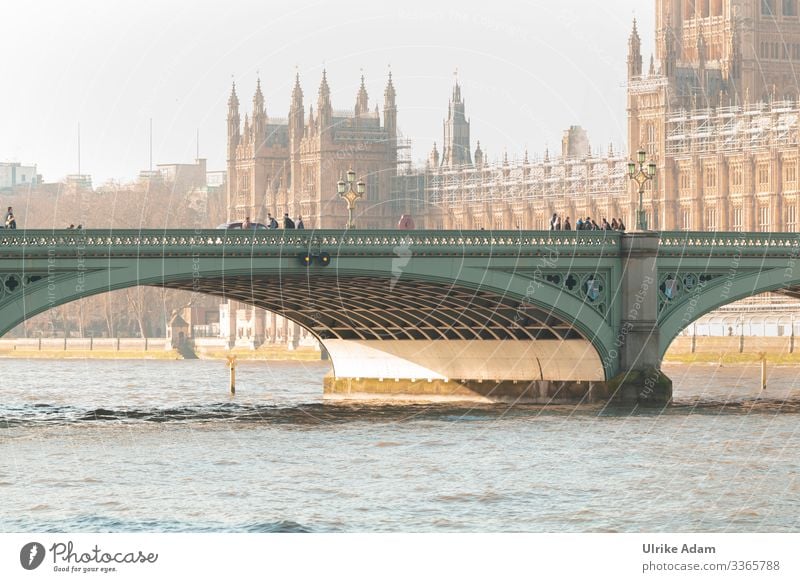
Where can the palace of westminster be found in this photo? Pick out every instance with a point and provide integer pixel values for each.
(716, 109)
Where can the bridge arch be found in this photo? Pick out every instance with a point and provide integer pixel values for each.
(723, 291)
(353, 302)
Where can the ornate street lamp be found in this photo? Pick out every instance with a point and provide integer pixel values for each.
(641, 175)
(350, 195)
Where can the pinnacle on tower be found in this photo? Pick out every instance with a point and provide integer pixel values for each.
(233, 118)
(324, 90)
(324, 109)
(634, 54)
(233, 100)
(297, 92)
(434, 157)
(389, 93)
(258, 98)
(362, 99)
(456, 148)
(478, 155)
(259, 113)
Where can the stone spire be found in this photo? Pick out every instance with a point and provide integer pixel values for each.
(296, 115)
(456, 149)
(324, 108)
(434, 157)
(634, 54)
(362, 100)
(478, 155)
(233, 118)
(259, 113)
(390, 109)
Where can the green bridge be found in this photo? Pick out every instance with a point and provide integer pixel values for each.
(497, 315)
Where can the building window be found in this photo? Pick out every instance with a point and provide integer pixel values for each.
(791, 217)
(711, 177)
(768, 7)
(790, 7)
(686, 218)
(711, 219)
(763, 177)
(685, 180)
(738, 218)
(736, 175)
(790, 172)
(763, 218)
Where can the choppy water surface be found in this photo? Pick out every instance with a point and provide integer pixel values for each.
(159, 446)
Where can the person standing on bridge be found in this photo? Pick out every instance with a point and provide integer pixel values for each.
(288, 223)
(271, 222)
(567, 224)
(11, 222)
(553, 221)
(246, 224)
(300, 225)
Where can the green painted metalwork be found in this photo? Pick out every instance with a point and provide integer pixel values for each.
(404, 284)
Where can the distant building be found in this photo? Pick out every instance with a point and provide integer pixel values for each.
(79, 182)
(13, 174)
(717, 111)
(184, 177)
(292, 165)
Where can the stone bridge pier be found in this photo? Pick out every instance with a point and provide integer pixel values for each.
(638, 346)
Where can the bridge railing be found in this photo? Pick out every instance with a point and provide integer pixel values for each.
(93, 242)
(687, 243)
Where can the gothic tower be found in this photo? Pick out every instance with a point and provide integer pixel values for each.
(713, 49)
(296, 129)
(634, 54)
(390, 116)
(456, 149)
(234, 136)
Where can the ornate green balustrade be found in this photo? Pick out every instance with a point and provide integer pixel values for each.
(275, 242)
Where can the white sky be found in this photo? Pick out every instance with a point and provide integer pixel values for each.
(528, 71)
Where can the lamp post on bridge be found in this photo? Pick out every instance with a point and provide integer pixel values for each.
(350, 195)
(641, 175)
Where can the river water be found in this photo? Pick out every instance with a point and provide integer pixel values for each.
(98, 446)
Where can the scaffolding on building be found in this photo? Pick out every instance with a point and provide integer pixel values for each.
(541, 179)
(733, 129)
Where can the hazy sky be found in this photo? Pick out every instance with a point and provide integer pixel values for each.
(528, 71)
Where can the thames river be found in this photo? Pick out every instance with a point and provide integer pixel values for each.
(129, 446)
